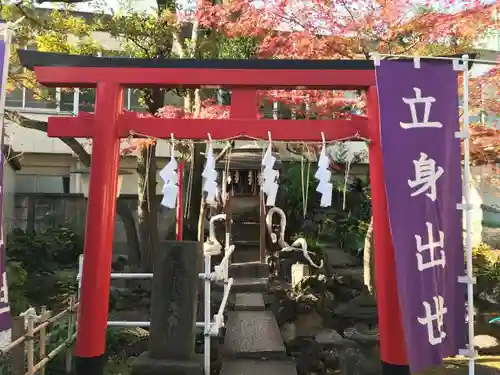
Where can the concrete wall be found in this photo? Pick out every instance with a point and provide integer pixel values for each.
(487, 180)
(9, 188)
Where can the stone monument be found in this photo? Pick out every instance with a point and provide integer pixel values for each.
(173, 312)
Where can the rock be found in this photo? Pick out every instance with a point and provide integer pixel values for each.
(353, 362)
(369, 337)
(288, 332)
(309, 360)
(331, 359)
(351, 277)
(365, 300)
(482, 326)
(491, 297)
(351, 310)
(287, 312)
(342, 292)
(308, 325)
(338, 258)
(328, 337)
(135, 349)
(486, 344)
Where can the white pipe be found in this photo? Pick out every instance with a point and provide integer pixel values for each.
(227, 250)
(218, 317)
(123, 323)
(207, 317)
(468, 216)
(80, 270)
(131, 275)
(222, 270)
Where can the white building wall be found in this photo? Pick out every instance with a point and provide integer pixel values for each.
(9, 188)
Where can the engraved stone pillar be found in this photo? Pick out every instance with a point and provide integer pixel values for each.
(299, 273)
(173, 312)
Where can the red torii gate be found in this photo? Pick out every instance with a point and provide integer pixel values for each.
(244, 77)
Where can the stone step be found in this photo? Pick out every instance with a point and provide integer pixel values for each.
(253, 334)
(246, 251)
(260, 367)
(249, 302)
(254, 243)
(245, 231)
(245, 285)
(248, 269)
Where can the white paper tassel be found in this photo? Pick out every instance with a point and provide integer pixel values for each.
(269, 177)
(323, 175)
(169, 176)
(210, 176)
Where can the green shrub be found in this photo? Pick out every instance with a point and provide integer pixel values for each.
(347, 227)
(485, 263)
(42, 267)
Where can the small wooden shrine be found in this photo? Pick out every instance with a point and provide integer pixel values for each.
(241, 169)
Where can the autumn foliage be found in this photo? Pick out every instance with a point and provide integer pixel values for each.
(348, 29)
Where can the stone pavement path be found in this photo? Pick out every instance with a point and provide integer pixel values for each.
(485, 365)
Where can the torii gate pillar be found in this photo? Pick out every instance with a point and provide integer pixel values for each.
(100, 223)
(243, 77)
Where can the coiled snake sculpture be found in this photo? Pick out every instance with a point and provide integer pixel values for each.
(212, 246)
(300, 244)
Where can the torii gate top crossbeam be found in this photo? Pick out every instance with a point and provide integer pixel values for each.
(243, 77)
(61, 70)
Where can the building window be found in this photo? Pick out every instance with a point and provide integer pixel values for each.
(45, 101)
(86, 101)
(67, 100)
(15, 98)
(131, 99)
(42, 184)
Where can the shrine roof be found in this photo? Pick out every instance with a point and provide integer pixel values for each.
(245, 159)
(31, 59)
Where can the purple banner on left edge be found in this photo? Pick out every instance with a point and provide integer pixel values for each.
(5, 316)
(423, 173)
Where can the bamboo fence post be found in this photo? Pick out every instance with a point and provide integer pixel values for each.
(43, 337)
(71, 327)
(30, 343)
(17, 352)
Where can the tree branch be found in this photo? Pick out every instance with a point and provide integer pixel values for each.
(72, 143)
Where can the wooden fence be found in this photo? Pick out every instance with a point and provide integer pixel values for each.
(28, 354)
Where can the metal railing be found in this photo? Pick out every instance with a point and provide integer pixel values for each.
(211, 327)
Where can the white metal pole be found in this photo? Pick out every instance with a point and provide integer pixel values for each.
(226, 250)
(207, 320)
(79, 276)
(468, 215)
(7, 37)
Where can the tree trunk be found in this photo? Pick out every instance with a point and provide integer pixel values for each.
(147, 213)
(133, 247)
(369, 260)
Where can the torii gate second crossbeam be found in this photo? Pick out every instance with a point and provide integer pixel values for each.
(243, 77)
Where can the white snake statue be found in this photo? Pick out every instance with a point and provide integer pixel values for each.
(269, 224)
(211, 246)
(281, 240)
(303, 247)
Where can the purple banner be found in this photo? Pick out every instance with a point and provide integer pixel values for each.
(422, 165)
(5, 316)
